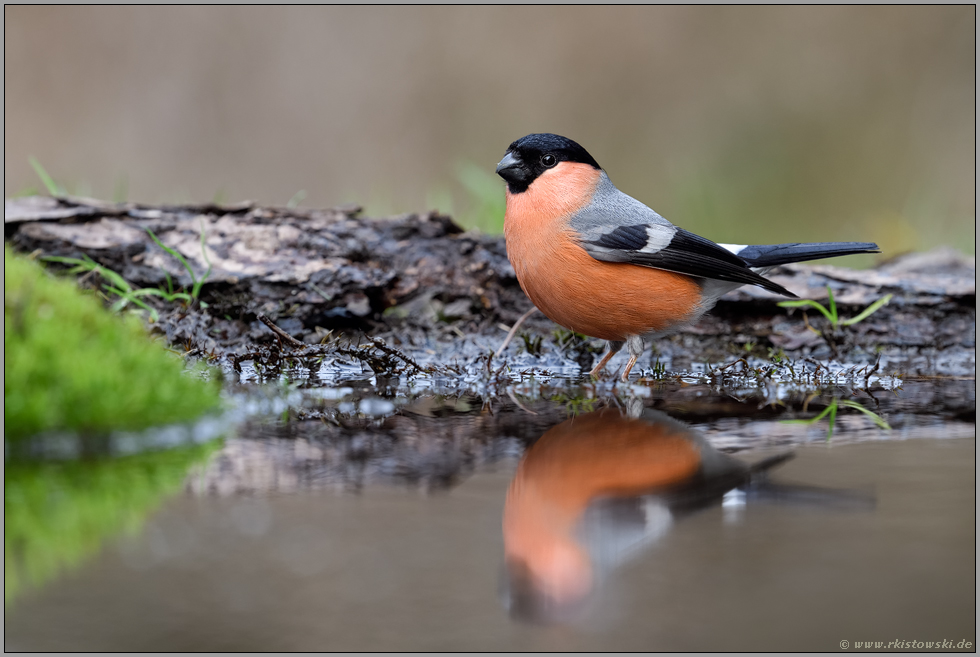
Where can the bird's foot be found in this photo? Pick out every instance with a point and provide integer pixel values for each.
(614, 348)
(629, 366)
(634, 344)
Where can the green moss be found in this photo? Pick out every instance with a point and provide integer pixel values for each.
(70, 364)
(56, 514)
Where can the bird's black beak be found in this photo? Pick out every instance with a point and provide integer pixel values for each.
(510, 161)
(515, 172)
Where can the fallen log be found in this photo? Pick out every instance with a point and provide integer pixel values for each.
(442, 294)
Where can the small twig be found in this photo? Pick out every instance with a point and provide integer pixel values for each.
(513, 398)
(379, 344)
(867, 376)
(744, 362)
(868, 393)
(513, 330)
(254, 356)
(817, 365)
(293, 342)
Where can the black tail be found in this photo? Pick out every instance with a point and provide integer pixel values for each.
(769, 255)
(760, 489)
(770, 462)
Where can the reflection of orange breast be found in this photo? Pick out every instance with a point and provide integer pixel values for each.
(604, 453)
(597, 454)
(565, 282)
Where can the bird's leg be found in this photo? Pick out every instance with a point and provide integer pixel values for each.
(614, 347)
(634, 344)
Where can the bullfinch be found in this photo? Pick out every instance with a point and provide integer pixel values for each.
(598, 489)
(594, 490)
(601, 263)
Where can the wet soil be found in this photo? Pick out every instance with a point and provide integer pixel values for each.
(441, 299)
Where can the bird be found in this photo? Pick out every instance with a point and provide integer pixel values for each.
(595, 489)
(601, 263)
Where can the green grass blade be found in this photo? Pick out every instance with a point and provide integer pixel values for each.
(54, 189)
(125, 294)
(113, 278)
(131, 297)
(800, 303)
(157, 292)
(823, 414)
(80, 265)
(204, 252)
(174, 253)
(87, 264)
(877, 419)
(833, 306)
(296, 199)
(63, 259)
(120, 303)
(867, 312)
(832, 417)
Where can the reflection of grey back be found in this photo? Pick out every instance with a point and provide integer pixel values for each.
(614, 529)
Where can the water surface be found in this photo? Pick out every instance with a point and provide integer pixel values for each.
(383, 529)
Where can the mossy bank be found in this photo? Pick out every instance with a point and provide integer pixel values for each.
(70, 365)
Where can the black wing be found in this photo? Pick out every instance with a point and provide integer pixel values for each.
(684, 253)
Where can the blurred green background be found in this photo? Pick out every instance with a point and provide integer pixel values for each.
(757, 124)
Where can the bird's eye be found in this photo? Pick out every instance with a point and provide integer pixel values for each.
(549, 160)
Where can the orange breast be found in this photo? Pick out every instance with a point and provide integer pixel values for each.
(593, 455)
(600, 299)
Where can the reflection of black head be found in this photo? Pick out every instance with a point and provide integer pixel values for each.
(526, 601)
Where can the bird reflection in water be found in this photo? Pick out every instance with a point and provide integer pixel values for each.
(597, 488)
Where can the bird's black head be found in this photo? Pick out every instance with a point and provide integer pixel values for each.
(529, 157)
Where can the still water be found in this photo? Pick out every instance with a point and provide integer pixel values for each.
(438, 524)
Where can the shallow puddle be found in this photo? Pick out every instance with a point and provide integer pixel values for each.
(549, 517)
